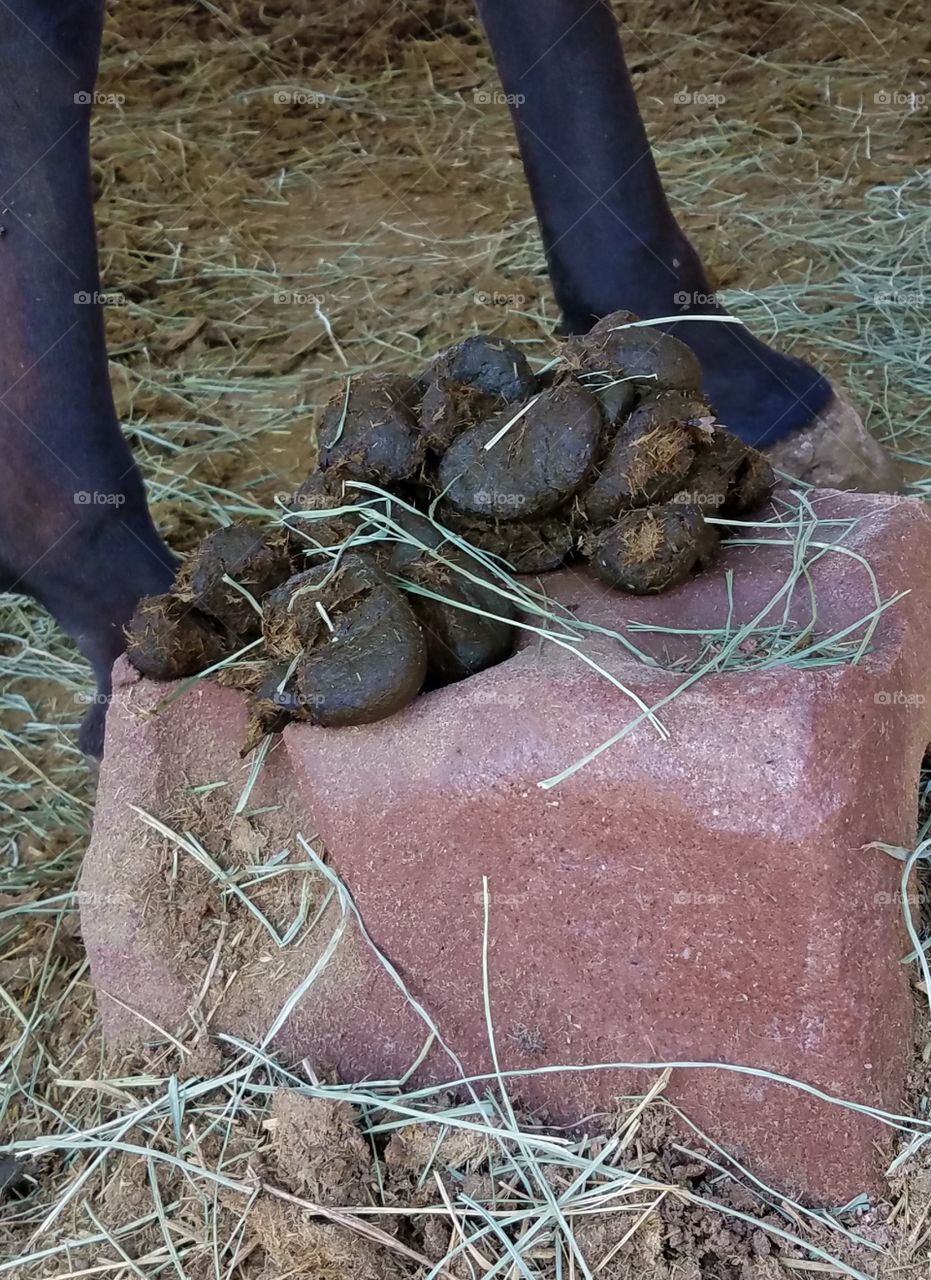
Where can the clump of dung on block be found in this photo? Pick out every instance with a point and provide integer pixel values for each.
(391, 568)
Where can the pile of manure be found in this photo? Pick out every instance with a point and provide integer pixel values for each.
(611, 456)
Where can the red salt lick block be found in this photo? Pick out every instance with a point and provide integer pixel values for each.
(703, 898)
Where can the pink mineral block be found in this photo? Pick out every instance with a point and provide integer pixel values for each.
(703, 897)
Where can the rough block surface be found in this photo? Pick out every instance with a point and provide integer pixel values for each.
(706, 898)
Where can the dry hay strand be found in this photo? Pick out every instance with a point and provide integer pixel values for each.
(657, 454)
(642, 540)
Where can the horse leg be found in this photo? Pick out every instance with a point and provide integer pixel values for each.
(75, 531)
(613, 242)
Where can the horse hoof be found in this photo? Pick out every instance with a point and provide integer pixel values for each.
(835, 451)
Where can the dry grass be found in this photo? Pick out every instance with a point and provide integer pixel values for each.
(263, 248)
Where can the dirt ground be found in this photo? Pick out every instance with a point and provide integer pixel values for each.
(289, 192)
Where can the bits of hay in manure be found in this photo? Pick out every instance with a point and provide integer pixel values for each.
(369, 432)
(167, 639)
(317, 1149)
(244, 554)
(653, 548)
(544, 456)
(362, 653)
(305, 1248)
